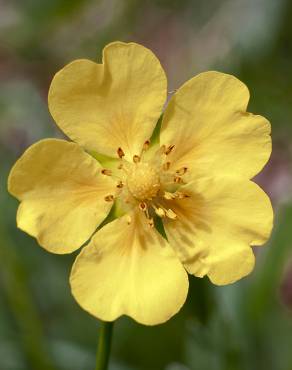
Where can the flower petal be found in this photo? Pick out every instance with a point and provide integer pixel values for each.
(207, 122)
(129, 269)
(115, 104)
(62, 194)
(217, 225)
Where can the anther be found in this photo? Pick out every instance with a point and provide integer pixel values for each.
(170, 214)
(181, 195)
(143, 206)
(166, 166)
(106, 172)
(151, 222)
(159, 211)
(181, 171)
(169, 196)
(146, 145)
(120, 185)
(178, 180)
(169, 149)
(129, 219)
(120, 152)
(136, 159)
(109, 198)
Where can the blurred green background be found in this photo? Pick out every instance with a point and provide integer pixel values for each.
(246, 326)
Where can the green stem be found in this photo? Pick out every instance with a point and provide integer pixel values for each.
(104, 345)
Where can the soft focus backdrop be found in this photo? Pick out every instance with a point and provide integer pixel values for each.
(246, 326)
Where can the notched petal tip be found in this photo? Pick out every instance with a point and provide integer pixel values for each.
(113, 104)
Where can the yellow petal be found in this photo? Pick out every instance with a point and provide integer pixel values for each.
(62, 194)
(216, 226)
(129, 269)
(207, 122)
(115, 104)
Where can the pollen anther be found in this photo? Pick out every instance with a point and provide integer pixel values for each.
(120, 152)
(136, 159)
(146, 145)
(169, 149)
(181, 195)
(178, 180)
(151, 222)
(166, 166)
(143, 206)
(181, 171)
(109, 198)
(129, 219)
(106, 172)
(169, 196)
(159, 211)
(171, 214)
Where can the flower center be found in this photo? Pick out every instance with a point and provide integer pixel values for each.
(143, 181)
(153, 186)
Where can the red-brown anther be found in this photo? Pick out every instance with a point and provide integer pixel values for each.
(181, 195)
(109, 198)
(151, 222)
(169, 196)
(106, 172)
(146, 145)
(166, 166)
(169, 149)
(120, 184)
(178, 180)
(143, 206)
(136, 159)
(181, 171)
(120, 152)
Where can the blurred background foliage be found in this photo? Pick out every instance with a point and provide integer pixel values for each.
(245, 326)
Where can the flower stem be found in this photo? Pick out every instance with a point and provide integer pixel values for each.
(104, 345)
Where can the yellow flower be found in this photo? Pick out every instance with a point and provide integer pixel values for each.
(196, 180)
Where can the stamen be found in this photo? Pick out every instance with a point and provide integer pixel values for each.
(109, 198)
(169, 149)
(170, 214)
(181, 195)
(106, 172)
(120, 184)
(136, 159)
(181, 171)
(129, 219)
(178, 180)
(169, 196)
(151, 222)
(120, 152)
(159, 211)
(146, 145)
(166, 166)
(143, 206)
